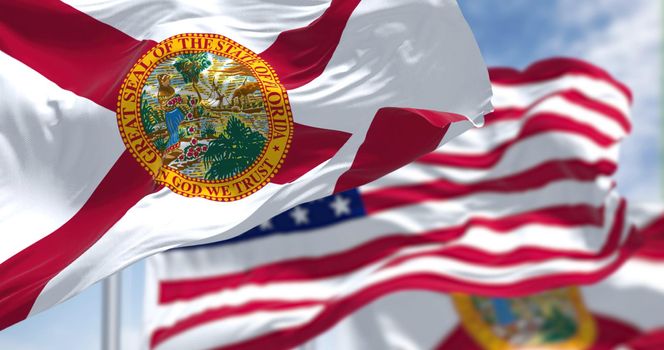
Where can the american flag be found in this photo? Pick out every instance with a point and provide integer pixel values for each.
(419, 319)
(524, 204)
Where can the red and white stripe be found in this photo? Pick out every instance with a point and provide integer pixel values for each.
(524, 204)
(627, 307)
(75, 207)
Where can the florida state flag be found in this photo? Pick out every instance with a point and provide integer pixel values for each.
(130, 127)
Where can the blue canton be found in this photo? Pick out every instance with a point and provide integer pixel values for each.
(319, 213)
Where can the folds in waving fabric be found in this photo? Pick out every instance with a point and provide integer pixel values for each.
(522, 205)
(368, 86)
(625, 309)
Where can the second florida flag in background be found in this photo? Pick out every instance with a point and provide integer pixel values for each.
(132, 127)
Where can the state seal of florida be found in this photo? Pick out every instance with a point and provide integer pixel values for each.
(206, 117)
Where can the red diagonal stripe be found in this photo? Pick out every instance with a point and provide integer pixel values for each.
(74, 50)
(395, 137)
(91, 59)
(301, 55)
(25, 274)
(310, 146)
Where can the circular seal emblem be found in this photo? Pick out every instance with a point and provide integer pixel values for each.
(206, 117)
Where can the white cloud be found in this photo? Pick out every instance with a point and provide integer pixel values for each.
(624, 37)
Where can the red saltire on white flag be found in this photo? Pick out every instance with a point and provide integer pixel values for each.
(524, 204)
(368, 85)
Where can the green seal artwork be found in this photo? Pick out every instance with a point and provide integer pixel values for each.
(552, 320)
(206, 117)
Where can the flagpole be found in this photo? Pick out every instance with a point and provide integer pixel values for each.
(110, 332)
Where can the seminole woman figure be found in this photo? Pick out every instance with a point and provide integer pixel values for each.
(172, 105)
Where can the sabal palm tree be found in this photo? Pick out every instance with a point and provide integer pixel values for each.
(190, 66)
(233, 151)
(558, 327)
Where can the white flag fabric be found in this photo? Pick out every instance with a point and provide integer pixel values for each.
(132, 127)
(627, 310)
(522, 205)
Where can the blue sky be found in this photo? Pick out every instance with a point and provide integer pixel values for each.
(623, 36)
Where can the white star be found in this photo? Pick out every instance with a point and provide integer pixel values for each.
(267, 225)
(340, 205)
(300, 215)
